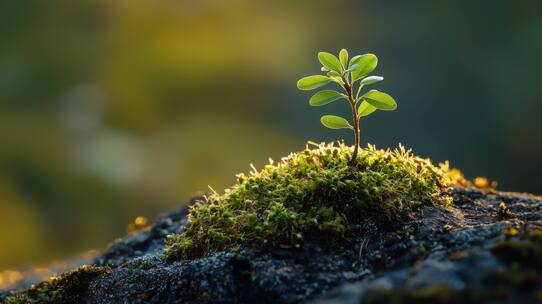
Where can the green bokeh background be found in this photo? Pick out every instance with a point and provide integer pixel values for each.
(114, 109)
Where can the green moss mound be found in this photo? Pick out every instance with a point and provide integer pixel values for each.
(316, 191)
(69, 287)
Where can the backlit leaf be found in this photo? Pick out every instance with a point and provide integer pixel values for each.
(351, 68)
(312, 82)
(330, 62)
(380, 100)
(371, 79)
(337, 80)
(366, 64)
(324, 97)
(343, 57)
(335, 122)
(365, 109)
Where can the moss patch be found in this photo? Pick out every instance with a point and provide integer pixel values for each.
(69, 287)
(315, 190)
(526, 253)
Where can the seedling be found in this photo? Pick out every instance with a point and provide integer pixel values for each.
(346, 74)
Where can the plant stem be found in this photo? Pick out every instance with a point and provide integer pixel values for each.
(355, 117)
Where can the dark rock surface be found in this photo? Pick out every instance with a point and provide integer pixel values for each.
(475, 251)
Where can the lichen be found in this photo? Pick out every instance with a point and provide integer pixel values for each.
(69, 287)
(317, 191)
(504, 211)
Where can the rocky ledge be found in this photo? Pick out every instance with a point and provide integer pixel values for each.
(486, 247)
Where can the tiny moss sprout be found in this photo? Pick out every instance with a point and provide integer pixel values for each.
(346, 74)
(316, 192)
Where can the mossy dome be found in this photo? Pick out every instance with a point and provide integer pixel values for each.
(318, 190)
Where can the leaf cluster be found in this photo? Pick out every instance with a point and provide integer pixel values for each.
(312, 192)
(347, 74)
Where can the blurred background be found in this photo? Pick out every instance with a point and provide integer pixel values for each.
(111, 110)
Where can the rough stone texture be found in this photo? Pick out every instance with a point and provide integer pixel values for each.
(470, 252)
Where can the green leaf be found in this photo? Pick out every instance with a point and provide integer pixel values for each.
(370, 80)
(380, 100)
(354, 60)
(367, 63)
(337, 80)
(365, 109)
(351, 68)
(324, 97)
(343, 56)
(312, 82)
(335, 122)
(330, 62)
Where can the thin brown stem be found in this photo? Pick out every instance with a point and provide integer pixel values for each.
(355, 117)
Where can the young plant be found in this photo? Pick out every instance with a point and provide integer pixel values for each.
(346, 74)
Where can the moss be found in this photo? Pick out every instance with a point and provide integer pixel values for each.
(69, 287)
(458, 178)
(433, 295)
(514, 276)
(535, 232)
(315, 190)
(17, 299)
(140, 264)
(526, 253)
(522, 258)
(521, 273)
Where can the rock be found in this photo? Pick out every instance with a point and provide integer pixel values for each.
(457, 254)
